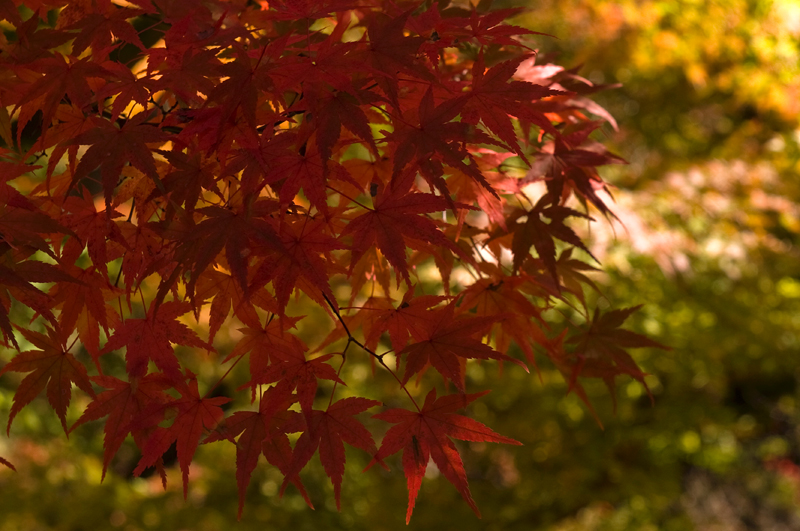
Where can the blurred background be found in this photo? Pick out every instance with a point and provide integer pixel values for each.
(709, 120)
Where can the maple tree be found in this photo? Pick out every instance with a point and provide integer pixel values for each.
(227, 162)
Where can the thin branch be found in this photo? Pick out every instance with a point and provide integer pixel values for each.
(348, 197)
(378, 357)
(222, 377)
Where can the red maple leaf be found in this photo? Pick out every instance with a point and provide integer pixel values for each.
(230, 228)
(534, 232)
(71, 121)
(194, 416)
(292, 368)
(571, 271)
(82, 301)
(63, 76)
(225, 292)
(426, 434)
(262, 432)
(467, 190)
(327, 431)
(52, 367)
(238, 93)
(493, 98)
(16, 281)
(98, 30)
(568, 168)
(122, 403)
(501, 298)
(392, 51)
(447, 342)
(392, 220)
(95, 229)
(190, 175)
(126, 89)
(266, 343)
(149, 339)
(600, 350)
(331, 110)
(438, 134)
(302, 167)
(34, 41)
(298, 257)
(144, 248)
(111, 148)
(407, 320)
(21, 221)
(184, 71)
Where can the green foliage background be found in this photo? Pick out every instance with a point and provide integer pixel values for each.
(708, 116)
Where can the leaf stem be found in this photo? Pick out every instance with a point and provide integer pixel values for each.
(348, 197)
(338, 372)
(222, 377)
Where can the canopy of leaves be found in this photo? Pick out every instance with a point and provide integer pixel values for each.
(708, 247)
(179, 171)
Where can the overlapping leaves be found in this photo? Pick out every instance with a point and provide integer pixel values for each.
(246, 166)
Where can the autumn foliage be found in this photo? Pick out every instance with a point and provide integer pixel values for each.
(174, 168)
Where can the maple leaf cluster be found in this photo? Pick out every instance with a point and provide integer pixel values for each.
(225, 162)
